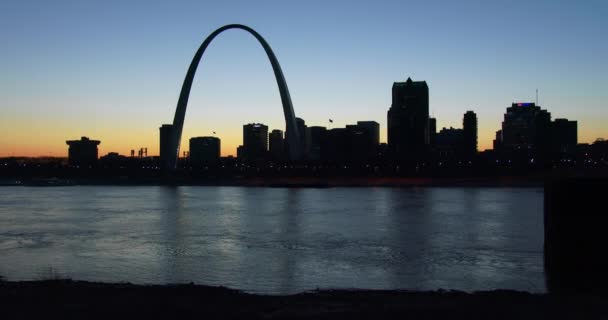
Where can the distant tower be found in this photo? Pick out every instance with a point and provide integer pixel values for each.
(304, 136)
(469, 126)
(204, 151)
(167, 152)
(408, 120)
(276, 145)
(564, 135)
(255, 141)
(362, 140)
(83, 152)
(432, 131)
(526, 127)
(318, 143)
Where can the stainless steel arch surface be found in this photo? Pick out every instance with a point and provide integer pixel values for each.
(292, 134)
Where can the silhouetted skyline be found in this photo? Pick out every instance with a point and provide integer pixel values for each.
(529, 139)
(113, 67)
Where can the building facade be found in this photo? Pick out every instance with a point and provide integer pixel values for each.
(526, 127)
(276, 145)
(318, 143)
(564, 135)
(82, 153)
(469, 131)
(450, 144)
(432, 131)
(204, 151)
(255, 142)
(408, 120)
(363, 140)
(166, 148)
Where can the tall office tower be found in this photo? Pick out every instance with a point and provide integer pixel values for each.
(564, 135)
(204, 151)
(337, 149)
(304, 136)
(363, 140)
(166, 148)
(83, 152)
(432, 131)
(408, 120)
(276, 145)
(526, 127)
(255, 141)
(318, 143)
(469, 127)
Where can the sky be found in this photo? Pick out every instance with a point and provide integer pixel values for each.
(113, 70)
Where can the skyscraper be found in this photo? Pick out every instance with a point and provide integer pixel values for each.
(83, 152)
(564, 135)
(526, 127)
(276, 145)
(432, 131)
(166, 148)
(408, 120)
(255, 141)
(363, 140)
(337, 149)
(304, 136)
(204, 151)
(318, 142)
(469, 127)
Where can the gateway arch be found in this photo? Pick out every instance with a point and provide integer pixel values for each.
(170, 135)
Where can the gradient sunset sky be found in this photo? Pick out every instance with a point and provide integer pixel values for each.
(112, 70)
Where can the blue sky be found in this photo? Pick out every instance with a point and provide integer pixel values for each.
(112, 70)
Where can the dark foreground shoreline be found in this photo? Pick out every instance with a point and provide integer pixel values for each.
(85, 300)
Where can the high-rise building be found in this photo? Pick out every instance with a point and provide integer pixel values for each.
(276, 145)
(564, 135)
(337, 149)
(526, 127)
(166, 149)
(83, 152)
(432, 131)
(204, 151)
(304, 136)
(469, 127)
(363, 140)
(408, 120)
(318, 143)
(255, 141)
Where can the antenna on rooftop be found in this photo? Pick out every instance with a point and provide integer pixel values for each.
(537, 97)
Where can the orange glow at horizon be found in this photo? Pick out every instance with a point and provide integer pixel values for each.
(42, 141)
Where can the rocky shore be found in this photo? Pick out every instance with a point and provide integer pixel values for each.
(85, 300)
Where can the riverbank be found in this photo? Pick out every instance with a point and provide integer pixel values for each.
(79, 299)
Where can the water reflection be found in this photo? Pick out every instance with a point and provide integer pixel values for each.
(289, 235)
(276, 240)
(173, 223)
